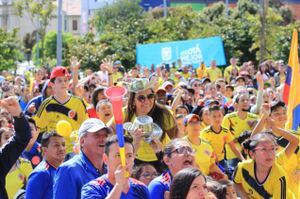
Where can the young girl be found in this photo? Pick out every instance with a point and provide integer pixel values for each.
(261, 176)
(188, 183)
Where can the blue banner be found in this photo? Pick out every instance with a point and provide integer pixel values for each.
(189, 51)
(150, 4)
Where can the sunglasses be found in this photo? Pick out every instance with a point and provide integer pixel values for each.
(184, 150)
(142, 98)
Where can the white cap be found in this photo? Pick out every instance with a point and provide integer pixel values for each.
(92, 125)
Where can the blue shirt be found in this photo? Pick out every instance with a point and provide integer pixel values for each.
(159, 185)
(101, 187)
(72, 175)
(40, 182)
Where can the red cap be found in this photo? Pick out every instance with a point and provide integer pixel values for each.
(59, 71)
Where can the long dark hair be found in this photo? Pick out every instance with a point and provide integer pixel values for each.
(182, 181)
(157, 113)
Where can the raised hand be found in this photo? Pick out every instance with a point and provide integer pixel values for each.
(74, 63)
(107, 65)
(11, 105)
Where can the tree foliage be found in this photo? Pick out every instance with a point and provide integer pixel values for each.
(40, 14)
(49, 49)
(10, 50)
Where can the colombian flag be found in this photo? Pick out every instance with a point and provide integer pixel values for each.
(291, 94)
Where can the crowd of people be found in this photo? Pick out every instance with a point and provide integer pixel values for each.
(188, 133)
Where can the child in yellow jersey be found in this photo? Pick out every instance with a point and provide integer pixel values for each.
(61, 106)
(261, 176)
(218, 136)
(204, 156)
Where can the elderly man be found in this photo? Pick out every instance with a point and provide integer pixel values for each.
(85, 166)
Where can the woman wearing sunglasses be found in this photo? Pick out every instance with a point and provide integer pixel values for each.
(142, 102)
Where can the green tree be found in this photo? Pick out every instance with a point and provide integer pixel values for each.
(40, 12)
(10, 50)
(49, 49)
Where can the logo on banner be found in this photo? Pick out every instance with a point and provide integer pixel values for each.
(166, 54)
(191, 55)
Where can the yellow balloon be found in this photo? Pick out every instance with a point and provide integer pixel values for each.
(64, 128)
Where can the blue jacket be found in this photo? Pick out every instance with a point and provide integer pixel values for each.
(37, 100)
(72, 175)
(101, 187)
(159, 185)
(10, 153)
(40, 182)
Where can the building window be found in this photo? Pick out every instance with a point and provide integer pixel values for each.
(74, 25)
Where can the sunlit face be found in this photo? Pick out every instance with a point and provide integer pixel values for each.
(93, 143)
(144, 102)
(205, 116)
(243, 103)
(194, 127)
(104, 112)
(148, 174)
(56, 149)
(264, 153)
(279, 116)
(197, 189)
(113, 159)
(230, 193)
(60, 84)
(5, 137)
(216, 117)
(178, 161)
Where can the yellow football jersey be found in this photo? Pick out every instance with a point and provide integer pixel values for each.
(51, 111)
(217, 140)
(204, 155)
(16, 179)
(213, 74)
(237, 126)
(275, 185)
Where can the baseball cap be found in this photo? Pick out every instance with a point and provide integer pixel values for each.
(92, 125)
(161, 89)
(240, 77)
(167, 83)
(210, 102)
(189, 117)
(117, 62)
(59, 71)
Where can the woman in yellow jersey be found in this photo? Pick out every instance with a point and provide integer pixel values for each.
(142, 102)
(261, 176)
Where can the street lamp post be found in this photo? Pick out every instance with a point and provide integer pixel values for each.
(165, 8)
(59, 34)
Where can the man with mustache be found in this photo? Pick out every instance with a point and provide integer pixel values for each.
(178, 154)
(85, 166)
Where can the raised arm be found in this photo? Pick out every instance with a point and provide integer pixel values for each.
(13, 149)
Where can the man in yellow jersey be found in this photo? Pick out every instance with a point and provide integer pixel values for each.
(238, 122)
(61, 106)
(228, 69)
(218, 136)
(213, 73)
(204, 154)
